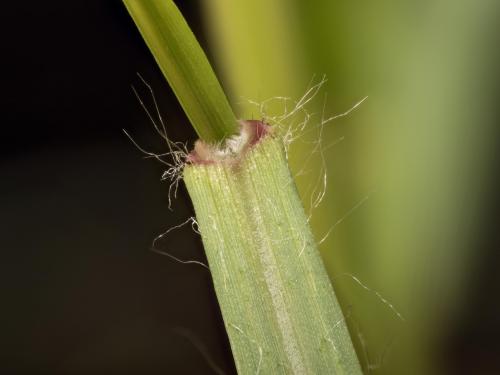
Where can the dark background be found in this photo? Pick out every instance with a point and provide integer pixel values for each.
(80, 291)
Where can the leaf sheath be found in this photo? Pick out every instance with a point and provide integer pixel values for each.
(277, 301)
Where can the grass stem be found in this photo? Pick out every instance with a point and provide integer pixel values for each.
(186, 67)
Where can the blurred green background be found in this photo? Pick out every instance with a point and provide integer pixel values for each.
(407, 179)
(412, 193)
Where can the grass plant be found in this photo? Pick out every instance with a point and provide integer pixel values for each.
(277, 302)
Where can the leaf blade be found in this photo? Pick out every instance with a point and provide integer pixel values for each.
(185, 66)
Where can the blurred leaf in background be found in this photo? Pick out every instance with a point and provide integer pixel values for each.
(406, 182)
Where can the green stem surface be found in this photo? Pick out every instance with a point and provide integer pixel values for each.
(277, 301)
(185, 66)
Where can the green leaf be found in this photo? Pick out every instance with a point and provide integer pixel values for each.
(185, 67)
